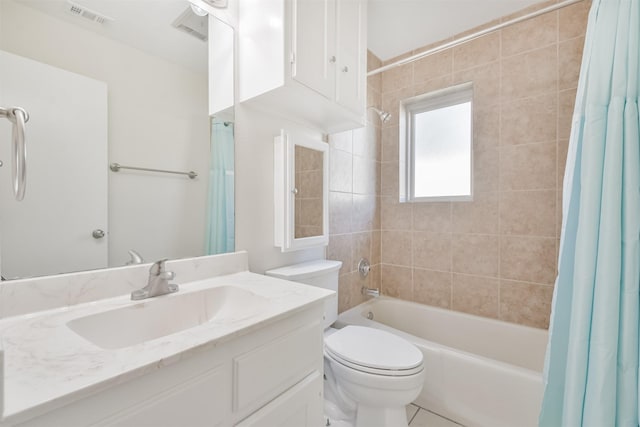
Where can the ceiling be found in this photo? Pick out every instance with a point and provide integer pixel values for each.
(395, 26)
(400, 26)
(142, 24)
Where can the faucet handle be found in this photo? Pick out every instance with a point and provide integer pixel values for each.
(158, 267)
(168, 275)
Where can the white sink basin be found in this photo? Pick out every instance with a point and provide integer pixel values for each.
(160, 316)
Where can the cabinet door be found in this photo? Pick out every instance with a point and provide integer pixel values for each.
(221, 66)
(300, 406)
(313, 44)
(352, 56)
(202, 401)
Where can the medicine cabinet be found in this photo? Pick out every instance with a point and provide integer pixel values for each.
(301, 190)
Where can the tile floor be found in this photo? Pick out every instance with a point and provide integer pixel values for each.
(419, 417)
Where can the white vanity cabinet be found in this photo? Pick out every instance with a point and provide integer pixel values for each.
(305, 59)
(269, 376)
(297, 407)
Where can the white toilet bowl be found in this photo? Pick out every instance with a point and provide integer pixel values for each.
(371, 376)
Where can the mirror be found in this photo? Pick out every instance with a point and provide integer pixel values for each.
(111, 81)
(301, 191)
(308, 192)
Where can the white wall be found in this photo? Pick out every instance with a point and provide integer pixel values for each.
(255, 130)
(157, 118)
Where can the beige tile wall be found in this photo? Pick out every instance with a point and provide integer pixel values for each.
(354, 202)
(494, 256)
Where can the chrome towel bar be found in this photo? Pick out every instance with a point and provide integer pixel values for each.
(117, 166)
(19, 117)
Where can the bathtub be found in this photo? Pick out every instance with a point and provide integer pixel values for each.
(479, 372)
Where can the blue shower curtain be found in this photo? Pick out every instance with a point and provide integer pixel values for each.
(221, 220)
(591, 371)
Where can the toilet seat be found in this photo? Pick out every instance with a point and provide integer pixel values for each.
(373, 351)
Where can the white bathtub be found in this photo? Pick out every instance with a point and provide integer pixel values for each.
(479, 372)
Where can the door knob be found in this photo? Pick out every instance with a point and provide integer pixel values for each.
(98, 234)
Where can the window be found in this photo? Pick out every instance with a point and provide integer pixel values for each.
(436, 145)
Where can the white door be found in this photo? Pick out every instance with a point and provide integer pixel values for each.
(50, 231)
(313, 47)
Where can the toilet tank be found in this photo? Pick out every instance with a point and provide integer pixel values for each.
(320, 273)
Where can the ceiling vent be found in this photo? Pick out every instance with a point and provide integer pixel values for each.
(83, 12)
(192, 24)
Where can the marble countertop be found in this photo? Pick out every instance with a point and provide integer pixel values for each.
(47, 365)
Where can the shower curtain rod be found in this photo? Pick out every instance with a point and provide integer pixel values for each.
(473, 36)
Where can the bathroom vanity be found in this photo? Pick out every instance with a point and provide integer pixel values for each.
(234, 348)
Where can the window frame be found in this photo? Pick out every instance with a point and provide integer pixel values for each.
(442, 98)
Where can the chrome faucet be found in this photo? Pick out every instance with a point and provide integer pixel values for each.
(136, 258)
(370, 292)
(158, 282)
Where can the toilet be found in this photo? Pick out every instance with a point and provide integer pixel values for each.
(370, 374)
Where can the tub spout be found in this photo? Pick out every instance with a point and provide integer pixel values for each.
(370, 292)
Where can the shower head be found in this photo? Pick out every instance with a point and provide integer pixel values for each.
(384, 115)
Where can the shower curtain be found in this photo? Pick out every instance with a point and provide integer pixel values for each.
(591, 370)
(221, 221)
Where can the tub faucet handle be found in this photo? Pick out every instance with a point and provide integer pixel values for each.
(364, 267)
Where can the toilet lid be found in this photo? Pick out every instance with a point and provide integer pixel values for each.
(374, 350)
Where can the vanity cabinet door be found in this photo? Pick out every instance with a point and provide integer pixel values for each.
(190, 393)
(265, 372)
(203, 401)
(300, 406)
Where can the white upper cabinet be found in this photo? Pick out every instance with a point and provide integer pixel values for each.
(351, 80)
(221, 66)
(313, 41)
(305, 60)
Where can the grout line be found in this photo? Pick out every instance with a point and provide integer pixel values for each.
(478, 275)
(527, 51)
(557, 132)
(420, 408)
(457, 235)
(526, 144)
(451, 256)
(513, 99)
(530, 190)
(500, 145)
(438, 415)
(414, 415)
